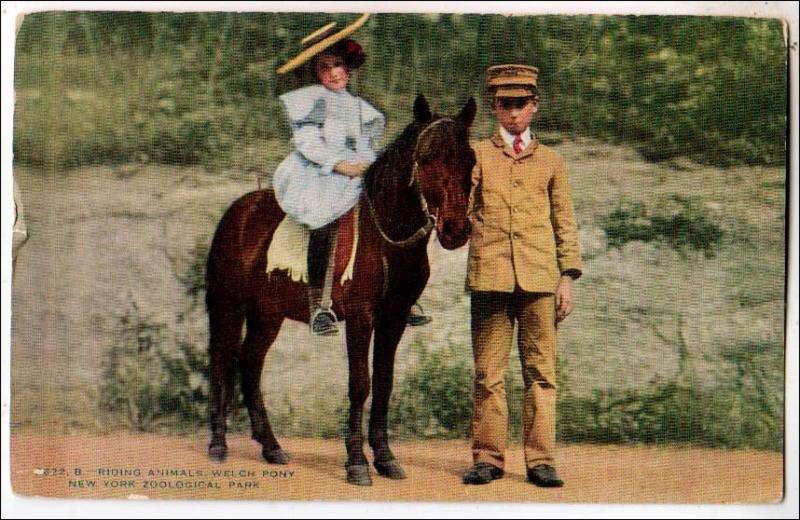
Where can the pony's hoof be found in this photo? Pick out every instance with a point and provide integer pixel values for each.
(217, 452)
(358, 474)
(390, 469)
(276, 456)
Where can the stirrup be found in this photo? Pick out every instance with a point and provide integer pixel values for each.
(417, 319)
(323, 322)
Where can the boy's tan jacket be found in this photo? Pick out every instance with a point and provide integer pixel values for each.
(523, 223)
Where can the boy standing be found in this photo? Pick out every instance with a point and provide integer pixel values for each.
(524, 255)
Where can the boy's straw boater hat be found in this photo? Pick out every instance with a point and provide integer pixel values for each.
(511, 80)
(319, 40)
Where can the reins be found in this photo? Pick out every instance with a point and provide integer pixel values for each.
(430, 220)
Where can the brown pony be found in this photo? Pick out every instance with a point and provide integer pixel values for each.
(422, 180)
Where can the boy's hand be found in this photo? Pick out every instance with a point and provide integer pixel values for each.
(563, 298)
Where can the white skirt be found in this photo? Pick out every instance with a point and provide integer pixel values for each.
(308, 196)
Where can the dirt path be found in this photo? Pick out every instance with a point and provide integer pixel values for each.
(122, 465)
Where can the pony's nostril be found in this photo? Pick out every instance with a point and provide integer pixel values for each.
(453, 229)
(448, 228)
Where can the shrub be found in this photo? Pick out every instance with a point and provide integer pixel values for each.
(153, 380)
(743, 410)
(684, 225)
(435, 399)
(668, 413)
(626, 223)
(133, 375)
(191, 272)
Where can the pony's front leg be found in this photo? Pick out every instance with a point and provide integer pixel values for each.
(388, 331)
(359, 331)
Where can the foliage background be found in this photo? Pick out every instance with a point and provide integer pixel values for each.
(201, 87)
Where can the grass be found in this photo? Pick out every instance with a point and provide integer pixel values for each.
(142, 109)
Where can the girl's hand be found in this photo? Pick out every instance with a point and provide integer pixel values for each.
(355, 169)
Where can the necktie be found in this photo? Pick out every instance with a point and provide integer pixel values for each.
(517, 144)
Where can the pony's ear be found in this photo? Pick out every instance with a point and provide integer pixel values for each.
(422, 112)
(467, 114)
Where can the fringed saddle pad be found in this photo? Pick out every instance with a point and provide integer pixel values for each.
(289, 248)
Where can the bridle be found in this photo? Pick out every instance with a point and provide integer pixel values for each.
(430, 220)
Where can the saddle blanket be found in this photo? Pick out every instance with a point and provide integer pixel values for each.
(289, 248)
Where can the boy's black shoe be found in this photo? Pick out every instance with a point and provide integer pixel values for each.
(482, 473)
(544, 475)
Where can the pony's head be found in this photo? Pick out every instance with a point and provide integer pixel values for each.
(444, 169)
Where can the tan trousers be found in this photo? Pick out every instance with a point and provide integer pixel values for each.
(493, 316)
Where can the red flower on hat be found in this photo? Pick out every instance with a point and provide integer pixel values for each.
(354, 54)
(353, 48)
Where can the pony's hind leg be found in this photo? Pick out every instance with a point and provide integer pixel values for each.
(224, 338)
(260, 335)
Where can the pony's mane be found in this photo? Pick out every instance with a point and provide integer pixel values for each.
(395, 161)
(387, 181)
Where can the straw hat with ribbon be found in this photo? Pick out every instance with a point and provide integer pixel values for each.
(321, 39)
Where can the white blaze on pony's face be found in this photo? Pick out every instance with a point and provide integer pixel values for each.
(332, 72)
(445, 162)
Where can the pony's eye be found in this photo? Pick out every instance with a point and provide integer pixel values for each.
(426, 158)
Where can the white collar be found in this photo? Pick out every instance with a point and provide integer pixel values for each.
(300, 103)
(508, 137)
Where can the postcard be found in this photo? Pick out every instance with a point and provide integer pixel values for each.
(399, 257)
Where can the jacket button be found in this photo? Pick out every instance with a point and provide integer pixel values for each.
(514, 209)
(516, 184)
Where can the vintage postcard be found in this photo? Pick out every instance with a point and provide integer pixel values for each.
(399, 257)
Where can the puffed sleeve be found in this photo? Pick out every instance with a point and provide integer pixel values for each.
(309, 140)
(374, 123)
(305, 110)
